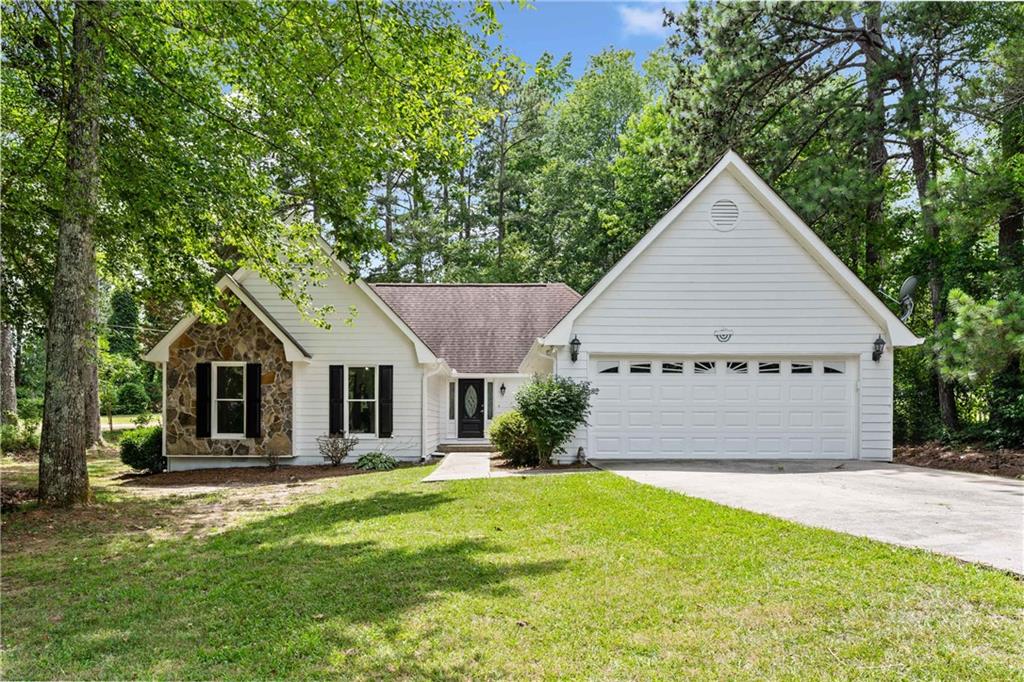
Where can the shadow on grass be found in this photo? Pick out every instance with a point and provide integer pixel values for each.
(304, 593)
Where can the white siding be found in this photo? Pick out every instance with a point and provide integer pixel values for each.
(579, 371)
(437, 408)
(372, 339)
(754, 280)
(876, 406)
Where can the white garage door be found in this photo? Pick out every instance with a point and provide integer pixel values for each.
(723, 408)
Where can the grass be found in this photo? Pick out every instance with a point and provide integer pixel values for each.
(576, 576)
(125, 421)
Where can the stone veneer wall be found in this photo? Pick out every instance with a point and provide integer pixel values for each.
(243, 338)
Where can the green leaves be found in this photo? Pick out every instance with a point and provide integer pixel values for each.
(553, 407)
(980, 339)
(234, 134)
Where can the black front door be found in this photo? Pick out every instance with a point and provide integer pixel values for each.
(471, 408)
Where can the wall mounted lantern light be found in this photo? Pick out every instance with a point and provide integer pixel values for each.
(879, 348)
(574, 347)
(501, 390)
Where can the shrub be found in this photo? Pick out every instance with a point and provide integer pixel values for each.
(553, 408)
(30, 408)
(21, 436)
(132, 399)
(510, 433)
(142, 449)
(142, 419)
(376, 461)
(334, 449)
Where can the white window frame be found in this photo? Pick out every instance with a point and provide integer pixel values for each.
(488, 400)
(216, 401)
(375, 401)
(453, 399)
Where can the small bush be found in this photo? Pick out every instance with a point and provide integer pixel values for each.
(132, 399)
(510, 433)
(334, 449)
(553, 408)
(30, 408)
(20, 437)
(376, 461)
(141, 449)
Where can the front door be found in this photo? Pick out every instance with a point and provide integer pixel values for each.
(471, 408)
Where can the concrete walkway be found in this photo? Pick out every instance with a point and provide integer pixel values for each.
(457, 466)
(970, 516)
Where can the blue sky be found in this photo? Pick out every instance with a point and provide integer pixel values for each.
(582, 28)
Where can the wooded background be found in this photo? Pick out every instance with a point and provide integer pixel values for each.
(150, 148)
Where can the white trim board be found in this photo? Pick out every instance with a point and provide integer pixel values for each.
(898, 333)
(293, 352)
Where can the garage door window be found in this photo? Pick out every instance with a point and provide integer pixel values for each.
(704, 367)
(767, 368)
(639, 368)
(801, 368)
(736, 367)
(835, 368)
(671, 368)
(608, 367)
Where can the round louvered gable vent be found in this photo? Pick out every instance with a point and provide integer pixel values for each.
(724, 214)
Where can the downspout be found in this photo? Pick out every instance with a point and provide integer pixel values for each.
(425, 382)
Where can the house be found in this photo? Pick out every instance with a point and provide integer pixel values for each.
(729, 331)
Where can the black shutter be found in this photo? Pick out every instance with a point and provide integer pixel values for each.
(253, 400)
(387, 402)
(203, 408)
(336, 400)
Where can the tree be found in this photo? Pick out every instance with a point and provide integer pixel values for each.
(825, 98)
(116, 371)
(71, 333)
(8, 389)
(574, 190)
(123, 324)
(192, 145)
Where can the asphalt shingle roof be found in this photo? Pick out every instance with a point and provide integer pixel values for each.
(479, 328)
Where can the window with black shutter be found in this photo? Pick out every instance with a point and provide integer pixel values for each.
(336, 400)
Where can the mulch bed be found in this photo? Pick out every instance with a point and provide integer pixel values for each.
(979, 460)
(503, 465)
(241, 475)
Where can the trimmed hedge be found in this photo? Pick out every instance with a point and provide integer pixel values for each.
(142, 449)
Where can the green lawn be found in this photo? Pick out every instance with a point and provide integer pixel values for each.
(125, 421)
(580, 576)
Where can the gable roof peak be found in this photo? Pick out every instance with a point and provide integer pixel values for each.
(898, 332)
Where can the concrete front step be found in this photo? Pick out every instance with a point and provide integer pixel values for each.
(482, 446)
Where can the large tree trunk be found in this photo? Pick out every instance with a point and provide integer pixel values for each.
(71, 330)
(1011, 223)
(878, 156)
(924, 180)
(8, 387)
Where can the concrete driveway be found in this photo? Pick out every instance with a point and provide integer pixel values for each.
(970, 516)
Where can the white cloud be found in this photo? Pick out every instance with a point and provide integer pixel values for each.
(642, 21)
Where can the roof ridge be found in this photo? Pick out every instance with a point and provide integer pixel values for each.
(467, 284)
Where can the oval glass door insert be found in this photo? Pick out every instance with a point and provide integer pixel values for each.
(471, 401)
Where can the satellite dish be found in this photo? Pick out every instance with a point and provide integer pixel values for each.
(907, 297)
